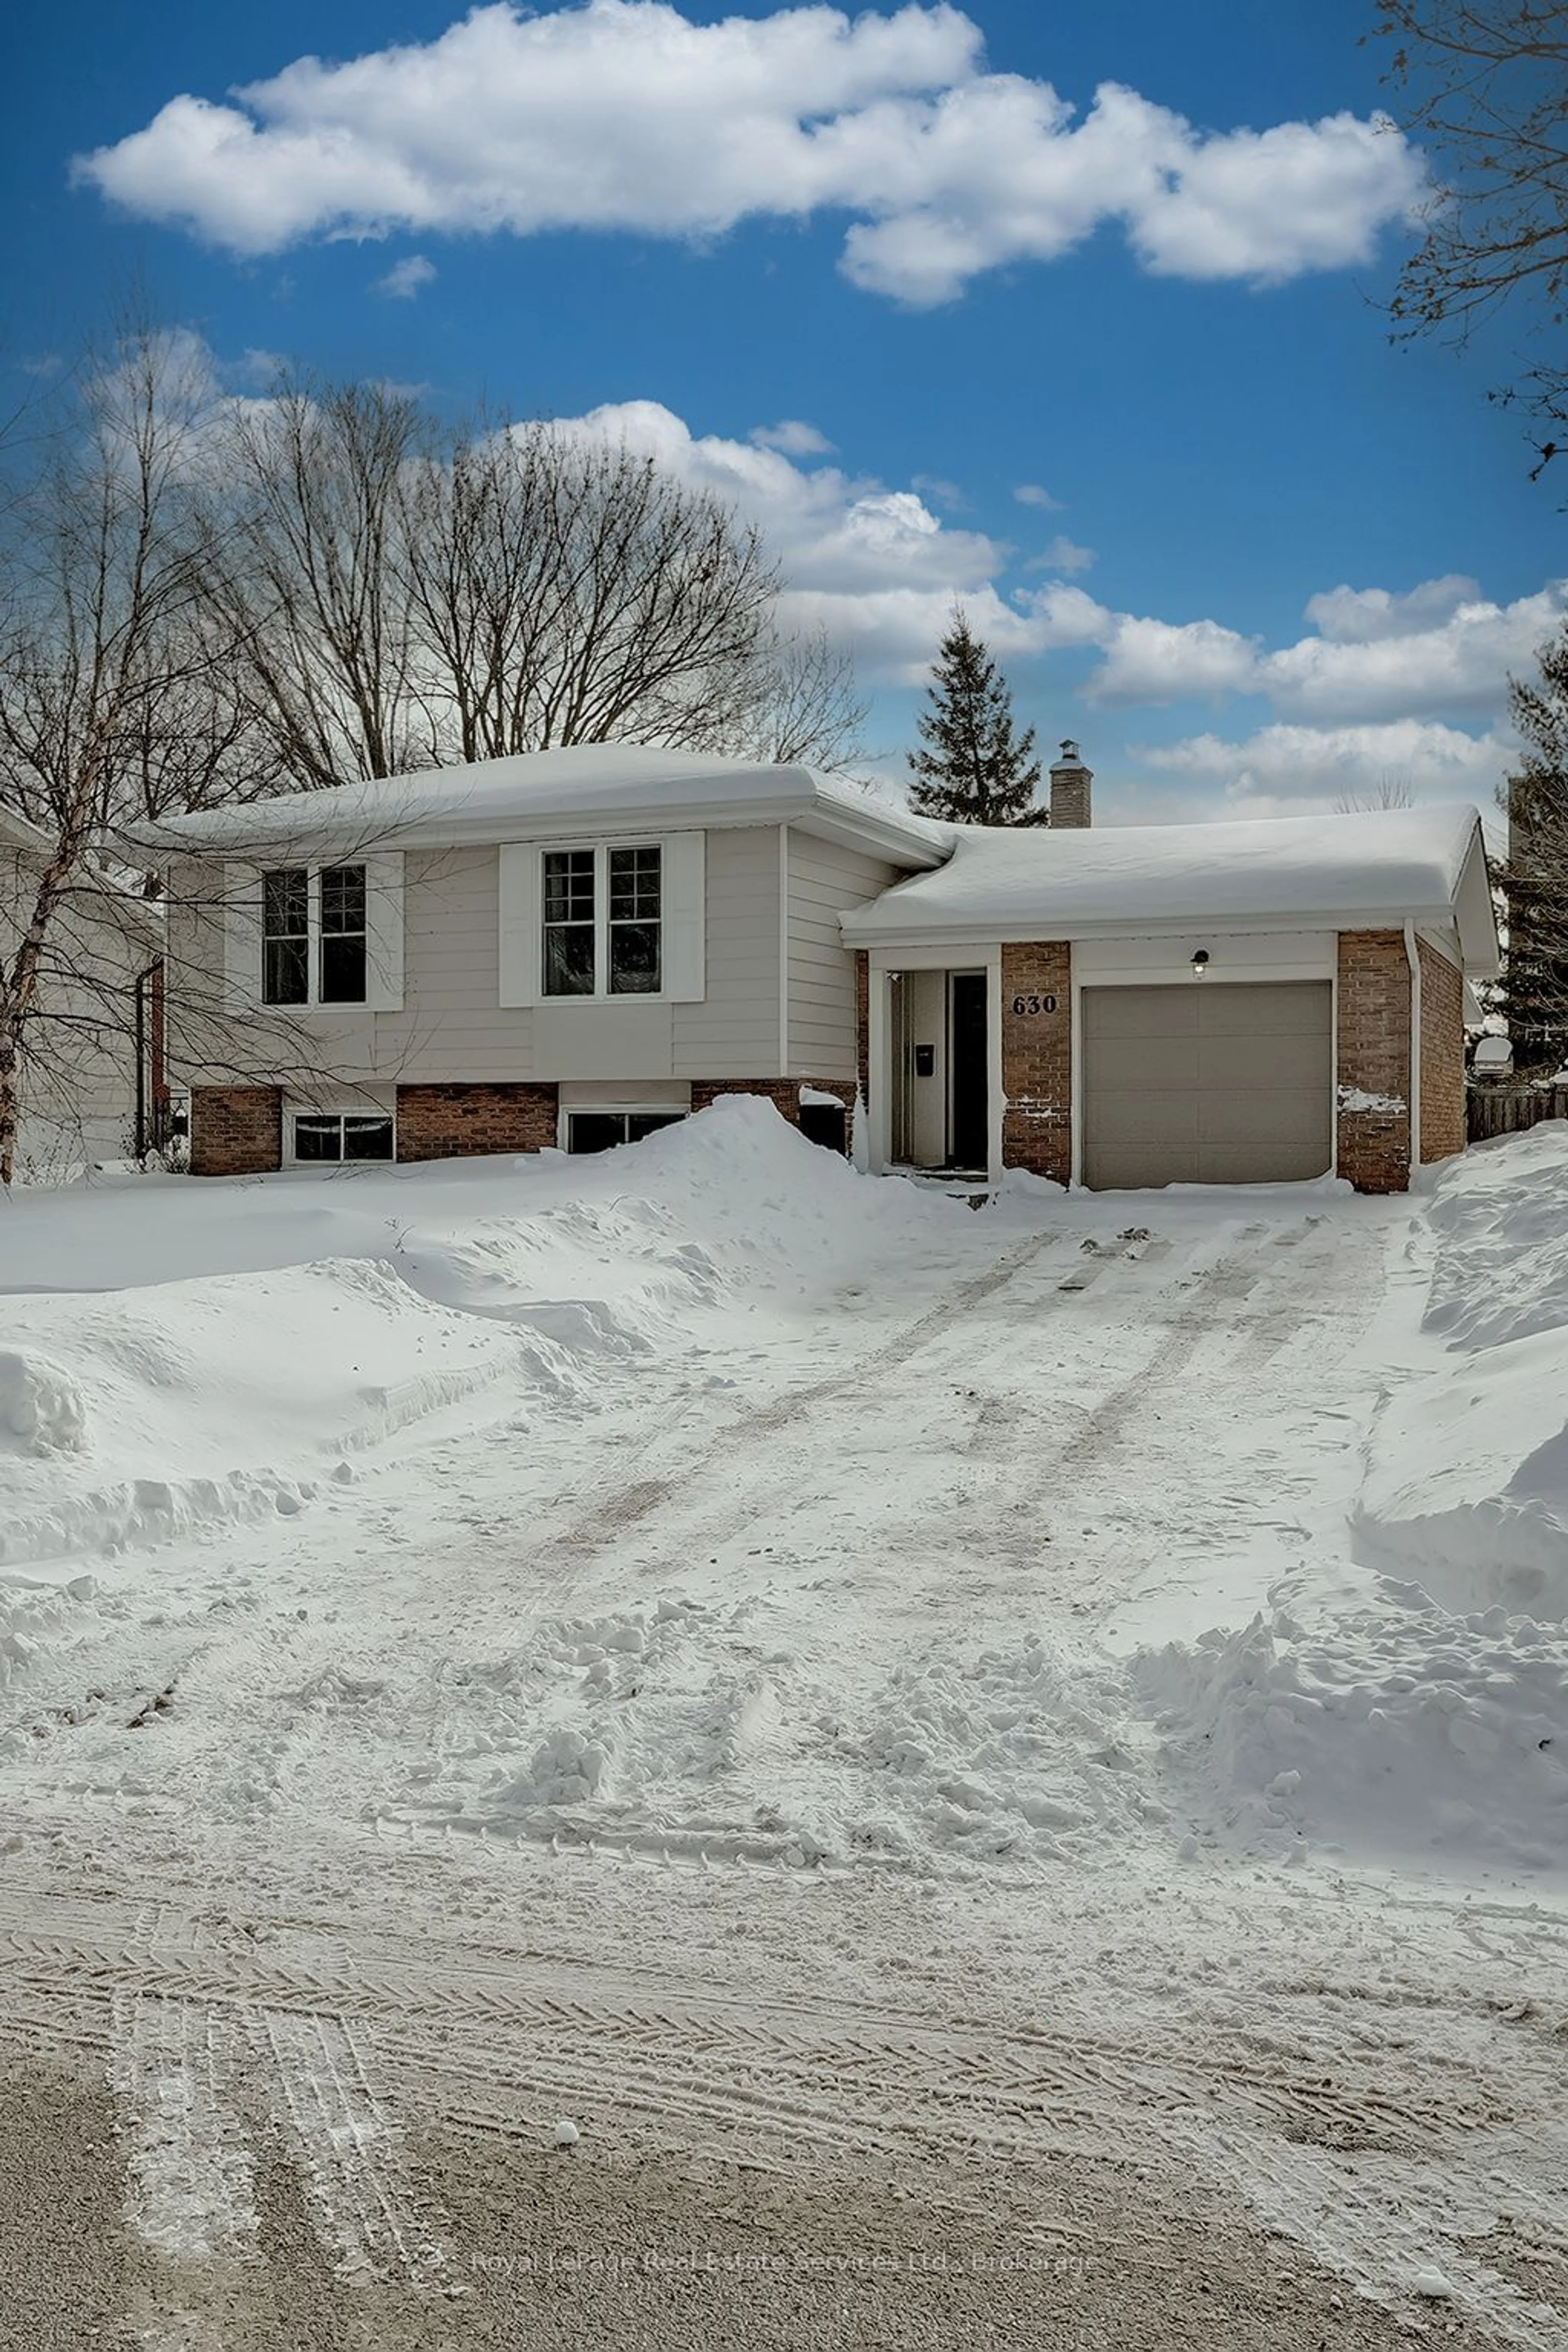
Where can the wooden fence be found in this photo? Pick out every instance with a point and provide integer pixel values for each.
(1506, 1110)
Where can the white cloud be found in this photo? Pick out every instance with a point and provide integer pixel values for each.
(1440, 650)
(793, 438)
(1354, 616)
(404, 280)
(873, 566)
(1458, 665)
(1031, 493)
(1287, 768)
(621, 114)
(1064, 554)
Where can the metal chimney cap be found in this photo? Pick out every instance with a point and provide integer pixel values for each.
(1069, 758)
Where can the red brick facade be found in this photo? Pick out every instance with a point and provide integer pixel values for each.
(863, 1022)
(235, 1131)
(1442, 1056)
(1036, 1059)
(456, 1122)
(1374, 1065)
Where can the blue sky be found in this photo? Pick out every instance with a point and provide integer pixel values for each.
(875, 278)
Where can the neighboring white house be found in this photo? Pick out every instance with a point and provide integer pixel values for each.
(100, 1007)
(570, 947)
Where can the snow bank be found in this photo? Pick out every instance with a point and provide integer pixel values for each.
(209, 1348)
(1501, 1215)
(1467, 1482)
(1398, 1730)
(1423, 1704)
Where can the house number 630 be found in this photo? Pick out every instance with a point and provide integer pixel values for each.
(1026, 1004)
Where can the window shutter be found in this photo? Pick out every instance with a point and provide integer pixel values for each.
(384, 929)
(520, 946)
(241, 939)
(685, 917)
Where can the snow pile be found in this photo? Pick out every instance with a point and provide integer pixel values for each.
(677, 1726)
(207, 1351)
(1419, 1705)
(41, 1408)
(1466, 1485)
(1396, 1728)
(1501, 1217)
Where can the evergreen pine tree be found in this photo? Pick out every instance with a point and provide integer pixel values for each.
(972, 769)
(1534, 992)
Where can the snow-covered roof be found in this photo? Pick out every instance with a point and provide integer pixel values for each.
(613, 785)
(1382, 866)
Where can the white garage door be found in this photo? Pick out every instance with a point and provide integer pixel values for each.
(1213, 1083)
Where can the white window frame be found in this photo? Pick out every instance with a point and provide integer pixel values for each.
(244, 927)
(313, 935)
(601, 992)
(682, 920)
(339, 1110)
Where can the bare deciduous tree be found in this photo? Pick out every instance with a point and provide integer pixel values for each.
(106, 689)
(1390, 791)
(570, 591)
(305, 577)
(1484, 84)
(799, 706)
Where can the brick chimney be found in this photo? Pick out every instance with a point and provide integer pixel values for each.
(1070, 780)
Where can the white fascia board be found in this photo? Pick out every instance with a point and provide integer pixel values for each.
(882, 836)
(860, 932)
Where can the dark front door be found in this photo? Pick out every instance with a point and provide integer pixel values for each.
(969, 1125)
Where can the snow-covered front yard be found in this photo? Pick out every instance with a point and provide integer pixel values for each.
(774, 1662)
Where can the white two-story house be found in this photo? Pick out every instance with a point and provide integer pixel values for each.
(569, 948)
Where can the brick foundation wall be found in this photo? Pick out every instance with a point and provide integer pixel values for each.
(457, 1123)
(1442, 1056)
(1374, 1059)
(235, 1131)
(1036, 1059)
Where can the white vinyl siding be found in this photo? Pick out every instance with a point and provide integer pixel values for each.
(735, 1032)
(454, 1026)
(824, 882)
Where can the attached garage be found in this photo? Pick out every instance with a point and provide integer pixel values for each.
(1207, 1083)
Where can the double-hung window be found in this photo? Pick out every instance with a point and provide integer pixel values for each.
(603, 921)
(315, 935)
(343, 950)
(285, 936)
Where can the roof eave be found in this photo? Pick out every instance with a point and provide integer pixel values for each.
(463, 829)
(862, 929)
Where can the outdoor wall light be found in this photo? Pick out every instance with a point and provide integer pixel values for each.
(1200, 963)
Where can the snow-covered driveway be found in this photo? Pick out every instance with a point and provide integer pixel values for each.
(742, 1685)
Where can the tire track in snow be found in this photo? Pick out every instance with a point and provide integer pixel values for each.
(1409, 2124)
(356, 2175)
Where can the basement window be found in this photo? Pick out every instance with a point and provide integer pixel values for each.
(601, 1130)
(337, 1135)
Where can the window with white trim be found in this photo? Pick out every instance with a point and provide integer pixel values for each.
(603, 920)
(336, 1136)
(601, 1130)
(315, 935)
